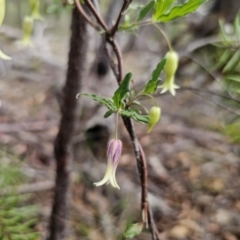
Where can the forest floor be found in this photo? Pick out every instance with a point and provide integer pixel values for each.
(194, 184)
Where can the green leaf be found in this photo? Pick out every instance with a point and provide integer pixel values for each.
(162, 7)
(141, 118)
(133, 230)
(108, 102)
(122, 90)
(233, 77)
(131, 113)
(152, 84)
(108, 114)
(233, 62)
(237, 27)
(143, 13)
(222, 60)
(180, 10)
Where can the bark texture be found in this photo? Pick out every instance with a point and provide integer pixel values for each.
(63, 142)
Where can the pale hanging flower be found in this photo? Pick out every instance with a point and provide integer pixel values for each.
(170, 86)
(170, 69)
(113, 154)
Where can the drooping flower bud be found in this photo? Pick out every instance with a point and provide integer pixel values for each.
(170, 70)
(2, 11)
(113, 154)
(27, 30)
(35, 5)
(154, 114)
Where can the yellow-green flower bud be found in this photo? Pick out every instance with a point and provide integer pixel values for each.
(35, 5)
(27, 30)
(171, 65)
(2, 11)
(154, 114)
(170, 69)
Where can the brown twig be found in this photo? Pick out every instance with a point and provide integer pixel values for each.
(142, 169)
(112, 42)
(97, 16)
(124, 7)
(113, 65)
(88, 19)
(139, 153)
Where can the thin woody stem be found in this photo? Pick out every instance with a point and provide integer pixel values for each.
(86, 17)
(124, 7)
(118, 54)
(97, 16)
(139, 153)
(116, 127)
(142, 169)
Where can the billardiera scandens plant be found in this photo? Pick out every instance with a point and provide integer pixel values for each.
(113, 157)
(125, 103)
(170, 69)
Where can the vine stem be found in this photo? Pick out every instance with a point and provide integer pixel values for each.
(164, 35)
(116, 130)
(118, 71)
(86, 17)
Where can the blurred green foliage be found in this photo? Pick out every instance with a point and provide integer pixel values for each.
(17, 218)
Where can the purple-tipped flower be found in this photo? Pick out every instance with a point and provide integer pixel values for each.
(113, 154)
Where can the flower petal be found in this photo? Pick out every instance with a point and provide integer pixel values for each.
(113, 181)
(106, 177)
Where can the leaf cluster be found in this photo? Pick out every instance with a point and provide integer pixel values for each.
(229, 61)
(160, 11)
(125, 101)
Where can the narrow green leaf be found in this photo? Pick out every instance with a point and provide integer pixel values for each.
(133, 230)
(237, 27)
(181, 10)
(122, 90)
(126, 113)
(222, 60)
(233, 77)
(152, 84)
(233, 62)
(131, 113)
(108, 102)
(141, 118)
(143, 13)
(108, 114)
